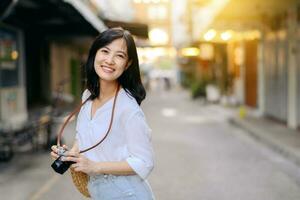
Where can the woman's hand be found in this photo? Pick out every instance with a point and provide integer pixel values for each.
(54, 152)
(81, 163)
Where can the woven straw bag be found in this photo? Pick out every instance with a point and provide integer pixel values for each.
(80, 179)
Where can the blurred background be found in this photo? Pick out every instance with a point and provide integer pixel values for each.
(222, 80)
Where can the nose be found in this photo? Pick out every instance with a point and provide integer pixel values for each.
(110, 59)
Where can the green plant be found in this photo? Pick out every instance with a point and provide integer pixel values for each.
(198, 88)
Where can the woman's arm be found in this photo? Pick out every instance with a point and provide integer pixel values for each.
(115, 168)
(90, 167)
(85, 165)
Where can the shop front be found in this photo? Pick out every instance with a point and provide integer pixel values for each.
(12, 86)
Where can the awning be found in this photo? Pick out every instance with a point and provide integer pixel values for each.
(87, 14)
(61, 17)
(52, 17)
(138, 29)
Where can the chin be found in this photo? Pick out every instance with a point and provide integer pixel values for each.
(108, 77)
(104, 78)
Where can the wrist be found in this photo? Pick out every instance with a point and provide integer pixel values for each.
(97, 168)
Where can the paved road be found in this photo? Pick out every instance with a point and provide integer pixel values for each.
(202, 157)
(199, 156)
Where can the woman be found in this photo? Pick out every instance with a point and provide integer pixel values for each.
(119, 166)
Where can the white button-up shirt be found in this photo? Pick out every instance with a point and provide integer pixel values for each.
(128, 140)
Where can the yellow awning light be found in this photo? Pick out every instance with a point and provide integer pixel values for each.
(152, 54)
(172, 52)
(209, 35)
(190, 52)
(252, 35)
(158, 36)
(227, 35)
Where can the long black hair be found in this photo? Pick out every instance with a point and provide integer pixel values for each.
(130, 79)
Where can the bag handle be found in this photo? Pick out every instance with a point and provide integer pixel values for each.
(77, 110)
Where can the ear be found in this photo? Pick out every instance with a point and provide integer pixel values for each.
(128, 64)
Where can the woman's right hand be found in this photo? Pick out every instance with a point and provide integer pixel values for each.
(54, 152)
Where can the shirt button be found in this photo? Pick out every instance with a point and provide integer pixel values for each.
(130, 194)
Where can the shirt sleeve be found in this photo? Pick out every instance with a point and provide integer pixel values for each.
(138, 138)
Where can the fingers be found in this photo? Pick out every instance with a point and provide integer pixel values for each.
(76, 168)
(54, 148)
(54, 155)
(71, 154)
(65, 147)
(73, 166)
(81, 164)
(69, 158)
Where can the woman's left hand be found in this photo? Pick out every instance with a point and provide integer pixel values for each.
(82, 163)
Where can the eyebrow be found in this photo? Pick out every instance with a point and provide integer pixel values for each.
(117, 51)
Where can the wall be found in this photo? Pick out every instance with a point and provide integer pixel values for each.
(63, 58)
(298, 72)
(275, 63)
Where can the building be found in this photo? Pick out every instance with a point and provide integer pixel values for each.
(32, 34)
(261, 42)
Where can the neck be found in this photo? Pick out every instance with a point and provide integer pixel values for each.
(107, 89)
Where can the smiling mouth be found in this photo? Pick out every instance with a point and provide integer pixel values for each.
(107, 69)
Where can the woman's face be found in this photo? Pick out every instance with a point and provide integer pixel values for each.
(111, 60)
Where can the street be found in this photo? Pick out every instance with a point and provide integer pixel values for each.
(199, 156)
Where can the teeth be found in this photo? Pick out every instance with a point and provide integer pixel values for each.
(108, 69)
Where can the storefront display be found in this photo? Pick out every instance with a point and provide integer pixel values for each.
(9, 57)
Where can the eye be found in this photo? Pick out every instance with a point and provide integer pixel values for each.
(104, 51)
(121, 56)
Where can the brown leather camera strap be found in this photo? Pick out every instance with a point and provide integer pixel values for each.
(77, 110)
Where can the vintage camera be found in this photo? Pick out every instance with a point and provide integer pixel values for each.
(61, 166)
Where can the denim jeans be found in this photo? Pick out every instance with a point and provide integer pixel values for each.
(110, 187)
